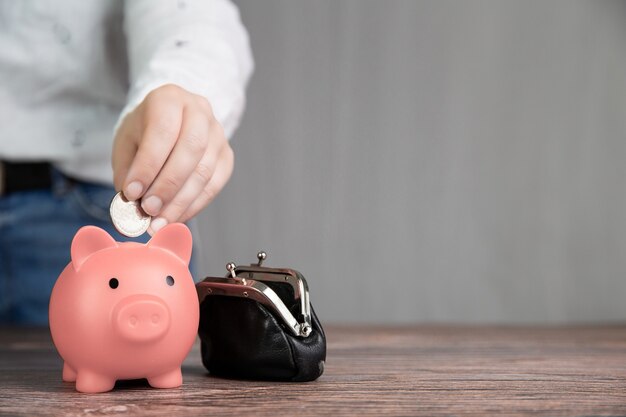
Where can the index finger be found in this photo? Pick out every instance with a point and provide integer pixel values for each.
(162, 122)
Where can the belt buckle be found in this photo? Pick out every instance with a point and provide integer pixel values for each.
(2, 181)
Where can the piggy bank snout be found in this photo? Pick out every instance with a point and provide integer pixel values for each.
(141, 318)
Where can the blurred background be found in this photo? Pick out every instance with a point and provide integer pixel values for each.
(434, 161)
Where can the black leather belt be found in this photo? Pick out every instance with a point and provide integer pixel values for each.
(21, 176)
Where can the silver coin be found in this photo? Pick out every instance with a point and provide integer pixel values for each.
(128, 217)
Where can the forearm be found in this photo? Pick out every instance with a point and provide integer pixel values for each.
(199, 45)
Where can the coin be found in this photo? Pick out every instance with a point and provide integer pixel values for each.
(128, 217)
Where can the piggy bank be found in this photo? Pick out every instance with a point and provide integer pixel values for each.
(125, 310)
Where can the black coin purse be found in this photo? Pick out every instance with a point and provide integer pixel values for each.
(258, 323)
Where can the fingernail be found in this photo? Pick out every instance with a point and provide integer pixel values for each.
(157, 224)
(152, 205)
(133, 190)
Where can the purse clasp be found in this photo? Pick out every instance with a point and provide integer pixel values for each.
(247, 282)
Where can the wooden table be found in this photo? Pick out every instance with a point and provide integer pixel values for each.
(420, 370)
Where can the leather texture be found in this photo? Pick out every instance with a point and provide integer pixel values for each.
(240, 338)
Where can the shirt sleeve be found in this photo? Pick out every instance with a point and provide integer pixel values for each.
(199, 45)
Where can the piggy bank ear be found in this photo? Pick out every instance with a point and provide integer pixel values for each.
(176, 238)
(87, 241)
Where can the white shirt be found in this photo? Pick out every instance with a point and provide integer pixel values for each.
(70, 70)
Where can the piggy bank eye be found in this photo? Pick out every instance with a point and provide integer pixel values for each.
(169, 280)
(113, 283)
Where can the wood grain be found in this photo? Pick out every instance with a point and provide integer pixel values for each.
(403, 371)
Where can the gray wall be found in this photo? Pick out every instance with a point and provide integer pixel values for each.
(434, 161)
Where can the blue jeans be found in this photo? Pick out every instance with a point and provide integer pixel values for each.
(36, 231)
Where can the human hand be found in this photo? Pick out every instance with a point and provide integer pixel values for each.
(172, 153)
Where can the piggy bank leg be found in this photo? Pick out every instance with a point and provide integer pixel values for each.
(69, 374)
(89, 381)
(170, 379)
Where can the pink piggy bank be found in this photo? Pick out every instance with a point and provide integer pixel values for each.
(125, 310)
